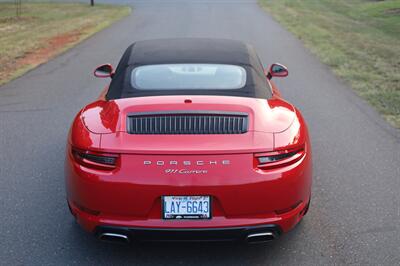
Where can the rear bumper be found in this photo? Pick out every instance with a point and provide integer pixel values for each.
(241, 198)
(189, 234)
(218, 228)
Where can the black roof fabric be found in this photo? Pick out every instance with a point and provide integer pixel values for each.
(189, 50)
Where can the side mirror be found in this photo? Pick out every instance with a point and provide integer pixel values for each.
(104, 71)
(277, 70)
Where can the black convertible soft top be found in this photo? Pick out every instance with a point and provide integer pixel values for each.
(189, 50)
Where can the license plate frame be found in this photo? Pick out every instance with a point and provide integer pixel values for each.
(186, 216)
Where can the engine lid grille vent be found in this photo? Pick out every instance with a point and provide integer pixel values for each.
(187, 122)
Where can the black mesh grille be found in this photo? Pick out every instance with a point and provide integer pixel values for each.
(187, 123)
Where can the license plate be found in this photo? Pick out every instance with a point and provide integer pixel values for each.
(186, 207)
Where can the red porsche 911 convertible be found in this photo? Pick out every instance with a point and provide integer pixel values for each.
(190, 141)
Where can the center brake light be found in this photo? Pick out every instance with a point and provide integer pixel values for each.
(276, 159)
(96, 160)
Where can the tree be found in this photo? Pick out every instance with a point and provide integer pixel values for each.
(92, 2)
(18, 7)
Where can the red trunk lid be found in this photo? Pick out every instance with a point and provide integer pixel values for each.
(264, 118)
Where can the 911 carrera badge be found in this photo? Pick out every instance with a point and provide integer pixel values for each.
(185, 171)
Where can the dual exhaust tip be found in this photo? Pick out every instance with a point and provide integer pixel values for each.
(260, 237)
(250, 239)
(114, 238)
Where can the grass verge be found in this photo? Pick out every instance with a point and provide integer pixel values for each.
(44, 30)
(358, 39)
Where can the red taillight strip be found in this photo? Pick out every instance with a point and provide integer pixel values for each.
(87, 210)
(297, 155)
(294, 206)
(79, 156)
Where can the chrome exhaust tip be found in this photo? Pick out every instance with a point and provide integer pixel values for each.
(260, 237)
(114, 238)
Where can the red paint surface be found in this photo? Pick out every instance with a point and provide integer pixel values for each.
(242, 194)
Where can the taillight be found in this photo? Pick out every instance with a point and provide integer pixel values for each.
(271, 160)
(96, 160)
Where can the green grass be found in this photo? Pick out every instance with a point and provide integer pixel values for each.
(46, 29)
(358, 39)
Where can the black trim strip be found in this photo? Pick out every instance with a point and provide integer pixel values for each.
(188, 112)
(189, 234)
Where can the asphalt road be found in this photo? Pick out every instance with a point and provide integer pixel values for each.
(355, 213)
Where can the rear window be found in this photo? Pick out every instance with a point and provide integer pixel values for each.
(188, 77)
